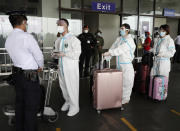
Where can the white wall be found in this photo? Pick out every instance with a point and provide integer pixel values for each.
(109, 24)
(159, 22)
(173, 23)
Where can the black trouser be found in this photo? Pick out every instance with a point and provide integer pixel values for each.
(177, 54)
(85, 56)
(28, 95)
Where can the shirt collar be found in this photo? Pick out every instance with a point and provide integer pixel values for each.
(66, 35)
(17, 29)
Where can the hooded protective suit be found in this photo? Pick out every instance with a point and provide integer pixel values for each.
(164, 49)
(69, 69)
(123, 48)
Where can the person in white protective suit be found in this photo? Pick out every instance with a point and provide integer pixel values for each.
(123, 48)
(69, 48)
(163, 50)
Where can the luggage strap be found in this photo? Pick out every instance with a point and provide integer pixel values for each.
(163, 87)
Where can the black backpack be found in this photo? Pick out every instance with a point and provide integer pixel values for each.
(147, 59)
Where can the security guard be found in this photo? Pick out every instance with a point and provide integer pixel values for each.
(27, 58)
(99, 47)
(88, 43)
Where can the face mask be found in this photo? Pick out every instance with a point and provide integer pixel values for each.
(122, 32)
(99, 34)
(85, 31)
(162, 34)
(60, 29)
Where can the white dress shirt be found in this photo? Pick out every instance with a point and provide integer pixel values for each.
(24, 50)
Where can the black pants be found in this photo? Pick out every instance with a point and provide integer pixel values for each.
(84, 57)
(28, 95)
(177, 54)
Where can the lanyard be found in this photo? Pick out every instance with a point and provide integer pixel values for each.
(61, 58)
(158, 45)
(163, 87)
(62, 49)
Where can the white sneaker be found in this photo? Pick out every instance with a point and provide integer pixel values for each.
(72, 112)
(125, 102)
(65, 107)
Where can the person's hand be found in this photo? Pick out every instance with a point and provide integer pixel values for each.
(40, 70)
(61, 54)
(106, 54)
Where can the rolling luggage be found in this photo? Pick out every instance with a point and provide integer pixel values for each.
(145, 72)
(158, 88)
(107, 89)
(142, 78)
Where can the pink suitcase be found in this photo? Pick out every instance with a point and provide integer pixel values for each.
(158, 89)
(107, 89)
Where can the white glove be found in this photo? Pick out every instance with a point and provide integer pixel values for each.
(107, 58)
(106, 54)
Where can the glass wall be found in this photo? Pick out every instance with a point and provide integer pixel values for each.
(71, 4)
(42, 17)
(130, 6)
(131, 20)
(146, 7)
(145, 24)
(75, 21)
(170, 4)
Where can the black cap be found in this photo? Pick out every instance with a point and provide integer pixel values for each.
(16, 12)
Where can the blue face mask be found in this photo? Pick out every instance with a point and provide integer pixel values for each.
(162, 34)
(122, 32)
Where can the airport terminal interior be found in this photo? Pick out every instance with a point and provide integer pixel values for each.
(141, 113)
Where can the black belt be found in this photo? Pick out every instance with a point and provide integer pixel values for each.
(31, 75)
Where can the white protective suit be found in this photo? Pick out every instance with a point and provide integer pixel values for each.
(164, 48)
(123, 49)
(69, 69)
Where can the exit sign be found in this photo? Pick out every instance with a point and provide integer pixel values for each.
(103, 6)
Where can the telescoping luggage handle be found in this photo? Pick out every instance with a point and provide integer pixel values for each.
(102, 64)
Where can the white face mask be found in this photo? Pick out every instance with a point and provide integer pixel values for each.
(162, 34)
(86, 31)
(60, 29)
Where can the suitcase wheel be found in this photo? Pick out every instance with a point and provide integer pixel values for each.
(11, 121)
(122, 109)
